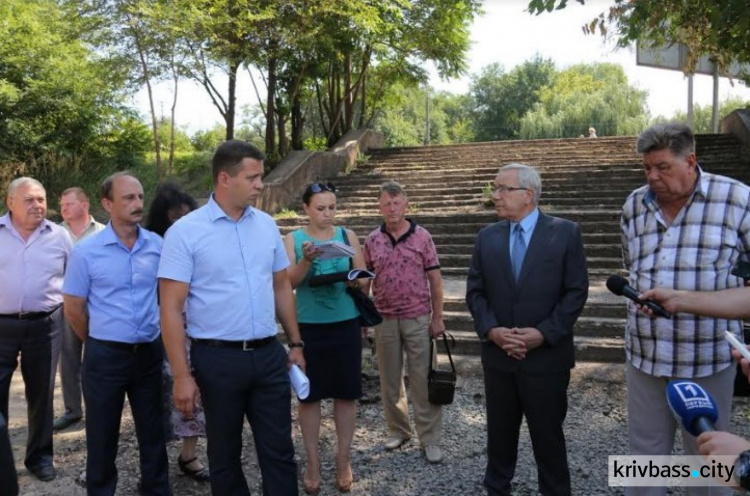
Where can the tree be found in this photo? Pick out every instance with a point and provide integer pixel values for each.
(402, 119)
(707, 27)
(60, 103)
(702, 114)
(500, 99)
(586, 95)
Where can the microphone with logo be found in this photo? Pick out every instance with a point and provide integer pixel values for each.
(619, 286)
(693, 406)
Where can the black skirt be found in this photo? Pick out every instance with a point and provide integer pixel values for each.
(333, 353)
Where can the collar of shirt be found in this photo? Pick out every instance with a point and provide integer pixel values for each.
(6, 222)
(528, 224)
(405, 236)
(109, 237)
(215, 212)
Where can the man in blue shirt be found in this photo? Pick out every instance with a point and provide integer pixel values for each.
(110, 302)
(227, 261)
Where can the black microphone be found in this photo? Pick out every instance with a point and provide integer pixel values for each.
(619, 286)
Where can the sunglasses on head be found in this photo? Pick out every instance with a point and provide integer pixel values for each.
(320, 187)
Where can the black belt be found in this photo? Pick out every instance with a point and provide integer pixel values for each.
(28, 315)
(132, 347)
(243, 345)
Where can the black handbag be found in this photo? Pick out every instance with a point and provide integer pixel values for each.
(441, 384)
(368, 313)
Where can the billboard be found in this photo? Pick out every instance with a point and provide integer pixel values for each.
(673, 57)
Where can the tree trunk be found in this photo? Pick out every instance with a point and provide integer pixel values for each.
(175, 78)
(271, 108)
(234, 66)
(298, 123)
(149, 90)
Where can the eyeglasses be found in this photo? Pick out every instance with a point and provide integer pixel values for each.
(320, 187)
(505, 189)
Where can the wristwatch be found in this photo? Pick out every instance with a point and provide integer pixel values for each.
(742, 470)
(298, 344)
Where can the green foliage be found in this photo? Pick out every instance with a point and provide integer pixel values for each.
(702, 114)
(403, 119)
(207, 140)
(61, 114)
(285, 214)
(707, 27)
(315, 144)
(587, 95)
(499, 100)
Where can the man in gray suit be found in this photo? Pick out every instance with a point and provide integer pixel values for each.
(527, 284)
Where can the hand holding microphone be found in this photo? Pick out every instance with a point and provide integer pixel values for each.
(619, 286)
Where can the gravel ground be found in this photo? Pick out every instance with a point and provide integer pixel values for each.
(596, 428)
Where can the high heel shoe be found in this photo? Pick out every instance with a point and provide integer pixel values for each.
(311, 486)
(344, 476)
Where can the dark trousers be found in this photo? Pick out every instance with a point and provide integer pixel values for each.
(8, 475)
(38, 343)
(70, 372)
(252, 384)
(109, 373)
(543, 399)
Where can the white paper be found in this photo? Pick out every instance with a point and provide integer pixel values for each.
(300, 382)
(333, 249)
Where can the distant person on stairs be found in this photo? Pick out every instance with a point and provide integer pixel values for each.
(526, 287)
(408, 290)
(684, 230)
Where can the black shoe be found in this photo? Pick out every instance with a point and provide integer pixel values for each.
(63, 422)
(44, 473)
(200, 475)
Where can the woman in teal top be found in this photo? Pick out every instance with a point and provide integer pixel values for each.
(328, 322)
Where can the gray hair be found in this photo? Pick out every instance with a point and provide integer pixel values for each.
(674, 136)
(22, 181)
(393, 188)
(528, 177)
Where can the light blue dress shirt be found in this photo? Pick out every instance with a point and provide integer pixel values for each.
(31, 271)
(119, 284)
(229, 266)
(528, 223)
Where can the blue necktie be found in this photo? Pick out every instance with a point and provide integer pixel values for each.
(519, 250)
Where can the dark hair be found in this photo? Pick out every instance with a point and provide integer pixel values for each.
(316, 188)
(168, 196)
(675, 136)
(230, 154)
(105, 190)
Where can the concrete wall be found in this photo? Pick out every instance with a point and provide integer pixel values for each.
(285, 184)
(738, 124)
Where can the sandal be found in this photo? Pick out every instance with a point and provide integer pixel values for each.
(200, 475)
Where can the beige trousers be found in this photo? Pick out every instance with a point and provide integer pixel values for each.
(392, 338)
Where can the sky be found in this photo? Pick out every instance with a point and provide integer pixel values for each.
(510, 36)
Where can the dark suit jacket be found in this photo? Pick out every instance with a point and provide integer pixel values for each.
(551, 292)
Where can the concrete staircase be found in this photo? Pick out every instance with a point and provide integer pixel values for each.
(584, 180)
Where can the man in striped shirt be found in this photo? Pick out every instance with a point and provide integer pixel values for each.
(684, 229)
